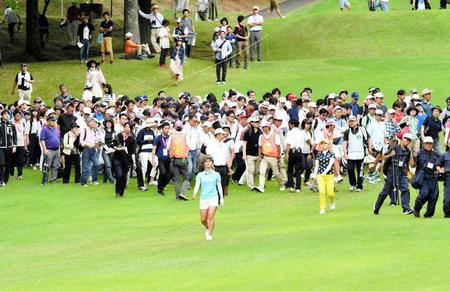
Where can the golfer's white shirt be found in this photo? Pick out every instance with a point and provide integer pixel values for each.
(217, 150)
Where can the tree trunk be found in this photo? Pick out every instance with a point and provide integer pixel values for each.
(33, 43)
(144, 24)
(130, 23)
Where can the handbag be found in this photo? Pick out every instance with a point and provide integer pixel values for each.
(417, 180)
(100, 38)
(403, 131)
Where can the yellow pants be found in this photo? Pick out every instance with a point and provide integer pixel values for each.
(326, 185)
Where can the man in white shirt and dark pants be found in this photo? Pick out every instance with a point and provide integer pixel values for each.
(222, 48)
(156, 20)
(192, 132)
(255, 21)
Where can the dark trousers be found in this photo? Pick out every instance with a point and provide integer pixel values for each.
(306, 167)
(35, 150)
(355, 181)
(5, 162)
(389, 187)
(221, 67)
(294, 169)
(121, 170)
(443, 4)
(223, 172)
(187, 48)
(69, 161)
(240, 167)
(164, 174)
(162, 56)
(139, 174)
(446, 205)
(428, 193)
(11, 27)
(17, 161)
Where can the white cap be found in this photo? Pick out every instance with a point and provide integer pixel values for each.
(219, 131)
(265, 124)
(239, 112)
(272, 107)
(282, 100)
(332, 95)
(428, 139)
(312, 104)
(372, 106)
(379, 112)
(128, 35)
(408, 136)
(110, 111)
(337, 108)
(391, 111)
(253, 119)
(277, 117)
(21, 102)
(379, 95)
(87, 110)
(352, 117)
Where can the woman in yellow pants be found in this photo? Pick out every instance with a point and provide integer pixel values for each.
(324, 175)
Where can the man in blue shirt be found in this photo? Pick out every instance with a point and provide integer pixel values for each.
(160, 156)
(354, 104)
(50, 144)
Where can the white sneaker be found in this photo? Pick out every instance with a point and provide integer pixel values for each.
(358, 190)
(155, 183)
(298, 190)
(94, 183)
(207, 235)
(322, 211)
(333, 206)
(282, 188)
(338, 179)
(218, 83)
(19, 178)
(259, 189)
(352, 188)
(291, 189)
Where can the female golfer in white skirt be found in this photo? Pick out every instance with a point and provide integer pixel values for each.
(211, 195)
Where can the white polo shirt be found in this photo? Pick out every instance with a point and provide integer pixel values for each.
(254, 19)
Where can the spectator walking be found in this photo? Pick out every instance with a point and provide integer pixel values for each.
(275, 5)
(255, 21)
(156, 20)
(50, 145)
(106, 28)
(89, 140)
(71, 153)
(179, 152)
(222, 49)
(124, 158)
(177, 61)
(12, 18)
(72, 17)
(164, 42)
(84, 39)
(189, 25)
(241, 33)
(24, 83)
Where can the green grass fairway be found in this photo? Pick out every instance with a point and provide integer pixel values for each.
(65, 237)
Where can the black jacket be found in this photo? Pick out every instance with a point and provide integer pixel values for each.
(8, 135)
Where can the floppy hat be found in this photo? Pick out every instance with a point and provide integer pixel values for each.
(426, 91)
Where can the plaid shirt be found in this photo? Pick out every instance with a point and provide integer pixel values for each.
(412, 123)
(392, 128)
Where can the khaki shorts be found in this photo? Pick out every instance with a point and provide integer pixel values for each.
(106, 45)
(274, 4)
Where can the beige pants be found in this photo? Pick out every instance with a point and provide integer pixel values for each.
(252, 164)
(153, 37)
(241, 49)
(414, 147)
(269, 163)
(24, 94)
(282, 169)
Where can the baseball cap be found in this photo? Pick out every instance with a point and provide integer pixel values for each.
(355, 95)
(265, 124)
(219, 131)
(272, 107)
(87, 110)
(391, 111)
(277, 117)
(352, 117)
(337, 108)
(379, 95)
(379, 112)
(407, 136)
(372, 106)
(282, 100)
(428, 139)
(179, 124)
(329, 123)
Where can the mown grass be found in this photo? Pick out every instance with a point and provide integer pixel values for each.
(68, 237)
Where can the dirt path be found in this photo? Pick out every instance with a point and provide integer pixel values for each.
(286, 7)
